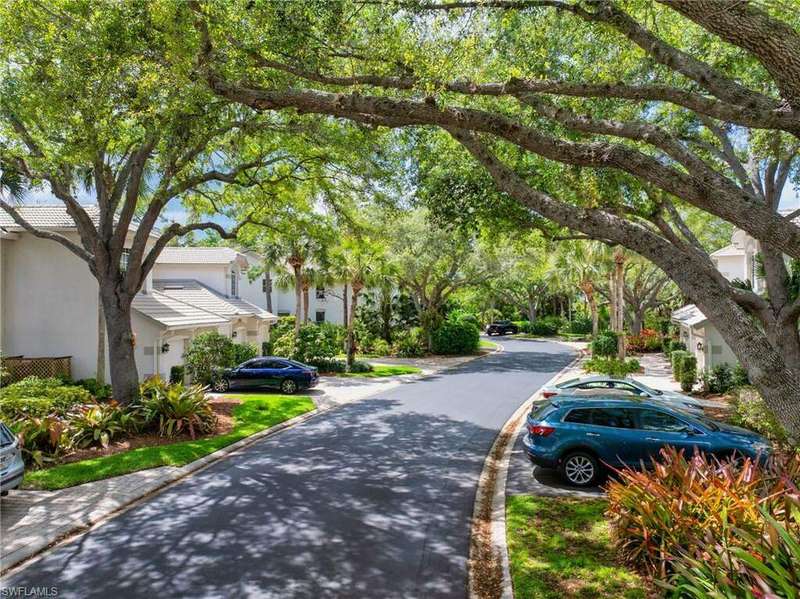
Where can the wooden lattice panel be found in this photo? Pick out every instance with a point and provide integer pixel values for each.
(19, 368)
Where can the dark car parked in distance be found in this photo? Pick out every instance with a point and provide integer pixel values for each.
(276, 373)
(501, 327)
(580, 435)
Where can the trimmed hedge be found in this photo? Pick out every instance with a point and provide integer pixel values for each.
(605, 344)
(677, 356)
(688, 372)
(455, 338)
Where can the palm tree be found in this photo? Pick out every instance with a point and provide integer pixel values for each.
(584, 263)
(359, 260)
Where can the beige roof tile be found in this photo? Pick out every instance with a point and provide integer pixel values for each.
(49, 216)
(195, 293)
(197, 255)
(172, 312)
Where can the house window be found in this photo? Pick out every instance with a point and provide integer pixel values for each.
(320, 293)
(320, 316)
(234, 284)
(123, 260)
(282, 313)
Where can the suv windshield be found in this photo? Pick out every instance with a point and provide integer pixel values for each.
(6, 436)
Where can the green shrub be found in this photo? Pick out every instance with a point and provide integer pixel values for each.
(666, 345)
(721, 379)
(100, 391)
(612, 366)
(177, 374)
(242, 352)
(333, 365)
(283, 346)
(605, 344)
(684, 510)
(677, 345)
(739, 377)
(381, 347)
(579, 325)
(152, 385)
(409, 343)
(546, 327)
(99, 424)
(34, 397)
(455, 338)
(750, 411)
(677, 356)
(688, 372)
(176, 409)
(465, 317)
(43, 439)
(208, 352)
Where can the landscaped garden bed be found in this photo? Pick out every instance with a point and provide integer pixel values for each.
(69, 437)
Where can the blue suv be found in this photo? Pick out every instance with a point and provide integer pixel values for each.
(580, 435)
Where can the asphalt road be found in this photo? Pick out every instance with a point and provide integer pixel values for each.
(372, 499)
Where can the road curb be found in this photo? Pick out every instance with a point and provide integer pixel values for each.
(492, 485)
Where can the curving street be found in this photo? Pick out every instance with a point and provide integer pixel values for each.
(372, 499)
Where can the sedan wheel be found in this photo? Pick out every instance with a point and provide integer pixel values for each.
(221, 385)
(288, 386)
(580, 469)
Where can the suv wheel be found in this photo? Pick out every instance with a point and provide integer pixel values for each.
(580, 469)
(288, 386)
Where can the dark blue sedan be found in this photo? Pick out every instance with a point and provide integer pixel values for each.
(267, 372)
(579, 435)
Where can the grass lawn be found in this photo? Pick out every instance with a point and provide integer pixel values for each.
(381, 370)
(560, 547)
(255, 413)
(488, 344)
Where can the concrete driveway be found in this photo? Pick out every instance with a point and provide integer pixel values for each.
(372, 499)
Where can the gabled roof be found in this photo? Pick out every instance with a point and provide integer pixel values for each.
(690, 315)
(728, 250)
(50, 216)
(173, 313)
(198, 255)
(195, 293)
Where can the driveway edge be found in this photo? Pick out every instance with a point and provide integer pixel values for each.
(489, 567)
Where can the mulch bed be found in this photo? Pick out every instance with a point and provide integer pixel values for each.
(222, 406)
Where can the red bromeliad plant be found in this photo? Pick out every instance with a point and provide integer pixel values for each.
(665, 520)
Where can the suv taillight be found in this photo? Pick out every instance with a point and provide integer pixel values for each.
(549, 394)
(539, 430)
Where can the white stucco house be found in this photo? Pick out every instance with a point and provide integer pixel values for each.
(217, 267)
(736, 261)
(49, 299)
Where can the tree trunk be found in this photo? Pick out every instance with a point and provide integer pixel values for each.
(619, 306)
(100, 371)
(351, 342)
(124, 375)
(345, 300)
(531, 310)
(305, 304)
(268, 290)
(298, 296)
(588, 291)
(637, 321)
(386, 314)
